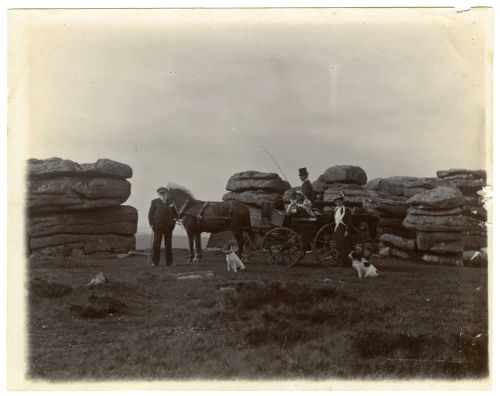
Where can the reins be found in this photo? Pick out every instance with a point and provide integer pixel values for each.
(199, 216)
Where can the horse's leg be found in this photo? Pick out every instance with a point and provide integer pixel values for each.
(238, 235)
(191, 250)
(200, 250)
(197, 240)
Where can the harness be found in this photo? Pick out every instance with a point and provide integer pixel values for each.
(199, 215)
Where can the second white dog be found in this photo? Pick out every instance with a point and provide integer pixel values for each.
(362, 266)
(233, 262)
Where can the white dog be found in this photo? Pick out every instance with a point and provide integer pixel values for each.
(233, 262)
(362, 266)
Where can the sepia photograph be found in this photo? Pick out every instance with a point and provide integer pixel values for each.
(236, 197)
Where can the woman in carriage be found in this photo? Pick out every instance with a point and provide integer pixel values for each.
(300, 205)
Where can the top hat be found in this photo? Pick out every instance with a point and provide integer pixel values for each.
(303, 172)
(161, 189)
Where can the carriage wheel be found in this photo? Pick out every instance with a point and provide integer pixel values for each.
(283, 246)
(325, 246)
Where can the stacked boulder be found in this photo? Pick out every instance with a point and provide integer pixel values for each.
(75, 209)
(421, 184)
(255, 188)
(394, 185)
(387, 201)
(346, 179)
(436, 216)
(394, 238)
(470, 182)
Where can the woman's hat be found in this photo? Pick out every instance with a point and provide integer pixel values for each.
(338, 196)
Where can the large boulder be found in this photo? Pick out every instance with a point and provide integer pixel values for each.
(399, 231)
(475, 211)
(354, 195)
(395, 252)
(425, 240)
(380, 204)
(438, 198)
(74, 209)
(475, 242)
(70, 192)
(56, 167)
(391, 222)
(453, 223)
(343, 174)
(255, 198)
(81, 244)
(120, 220)
(421, 184)
(475, 226)
(255, 188)
(253, 180)
(373, 184)
(467, 186)
(393, 185)
(319, 187)
(467, 181)
(433, 212)
(462, 173)
(447, 247)
(398, 242)
(456, 260)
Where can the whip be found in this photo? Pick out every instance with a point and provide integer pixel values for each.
(275, 162)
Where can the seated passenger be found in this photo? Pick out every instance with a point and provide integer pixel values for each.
(300, 205)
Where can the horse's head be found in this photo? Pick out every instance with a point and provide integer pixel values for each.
(179, 194)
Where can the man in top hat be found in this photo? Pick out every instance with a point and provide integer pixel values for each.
(306, 188)
(162, 217)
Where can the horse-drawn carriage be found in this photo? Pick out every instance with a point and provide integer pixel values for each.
(287, 237)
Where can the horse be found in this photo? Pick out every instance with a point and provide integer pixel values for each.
(202, 216)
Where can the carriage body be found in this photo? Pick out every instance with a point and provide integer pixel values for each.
(288, 237)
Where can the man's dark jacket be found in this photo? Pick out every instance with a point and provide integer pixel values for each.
(307, 190)
(162, 214)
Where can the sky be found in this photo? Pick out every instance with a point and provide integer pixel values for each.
(193, 96)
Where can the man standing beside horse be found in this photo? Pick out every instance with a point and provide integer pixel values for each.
(162, 218)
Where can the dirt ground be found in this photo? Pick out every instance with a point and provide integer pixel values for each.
(266, 322)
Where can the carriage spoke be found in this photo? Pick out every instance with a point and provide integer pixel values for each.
(325, 246)
(283, 246)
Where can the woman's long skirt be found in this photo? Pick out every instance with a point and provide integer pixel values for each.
(344, 245)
